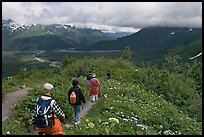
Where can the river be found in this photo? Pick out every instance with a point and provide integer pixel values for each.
(58, 63)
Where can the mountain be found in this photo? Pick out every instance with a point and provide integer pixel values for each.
(116, 35)
(151, 44)
(13, 34)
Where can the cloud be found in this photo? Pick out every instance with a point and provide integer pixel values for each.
(106, 15)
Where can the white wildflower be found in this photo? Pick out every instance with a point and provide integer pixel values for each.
(168, 132)
(99, 120)
(161, 126)
(113, 120)
(91, 125)
(142, 126)
(105, 123)
(8, 132)
(67, 126)
(124, 119)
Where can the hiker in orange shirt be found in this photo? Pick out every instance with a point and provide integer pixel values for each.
(55, 126)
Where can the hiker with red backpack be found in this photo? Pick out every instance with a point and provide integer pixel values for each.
(94, 84)
(44, 117)
(75, 97)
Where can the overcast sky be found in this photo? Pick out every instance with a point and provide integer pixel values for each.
(106, 16)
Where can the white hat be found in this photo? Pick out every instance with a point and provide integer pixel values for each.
(48, 86)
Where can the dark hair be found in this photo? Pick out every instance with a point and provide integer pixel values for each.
(75, 82)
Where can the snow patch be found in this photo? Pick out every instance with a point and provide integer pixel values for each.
(196, 56)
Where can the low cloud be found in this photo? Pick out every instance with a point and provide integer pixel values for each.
(106, 15)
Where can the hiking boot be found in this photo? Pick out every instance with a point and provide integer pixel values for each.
(76, 123)
(73, 120)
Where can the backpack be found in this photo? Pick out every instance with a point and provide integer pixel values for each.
(43, 111)
(72, 98)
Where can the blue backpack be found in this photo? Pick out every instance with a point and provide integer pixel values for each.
(43, 111)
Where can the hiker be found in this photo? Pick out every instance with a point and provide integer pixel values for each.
(54, 127)
(94, 84)
(108, 75)
(75, 97)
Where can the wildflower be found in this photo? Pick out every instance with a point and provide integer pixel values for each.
(105, 123)
(91, 125)
(105, 95)
(113, 120)
(87, 120)
(111, 107)
(168, 132)
(124, 119)
(142, 126)
(161, 126)
(67, 126)
(8, 132)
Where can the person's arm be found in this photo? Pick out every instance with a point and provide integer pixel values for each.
(68, 95)
(57, 110)
(34, 115)
(34, 111)
(82, 96)
(98, 82)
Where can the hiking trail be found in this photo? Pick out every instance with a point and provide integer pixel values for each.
(10, 99)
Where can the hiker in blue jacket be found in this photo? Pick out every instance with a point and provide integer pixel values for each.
(55, 127)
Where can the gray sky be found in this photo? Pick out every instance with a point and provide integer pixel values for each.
(106, 16)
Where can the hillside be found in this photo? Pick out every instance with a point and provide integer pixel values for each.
(116, 35)
(136, 101)
(15, 35)
(149, 45)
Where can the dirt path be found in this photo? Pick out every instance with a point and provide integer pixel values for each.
(10, 99)
(87, 106)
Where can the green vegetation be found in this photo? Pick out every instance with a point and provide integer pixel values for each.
(136, 101)
(13, 62)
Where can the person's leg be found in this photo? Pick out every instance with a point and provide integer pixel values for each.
(78, 110)
(92, 98)
(74, 109)
(96, 97)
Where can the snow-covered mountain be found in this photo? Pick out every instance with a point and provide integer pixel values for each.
(12, 31)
